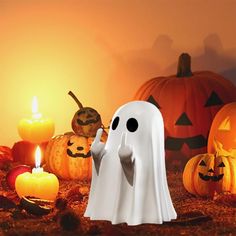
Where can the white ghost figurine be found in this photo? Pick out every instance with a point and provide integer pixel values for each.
(129, 182)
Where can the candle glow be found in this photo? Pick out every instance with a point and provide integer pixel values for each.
(39, 184)
(36, 129)
(35, 113)
(37, 157)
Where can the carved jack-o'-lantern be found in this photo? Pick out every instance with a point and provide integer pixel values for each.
(188, 102)
(206, 174)
(86, 120)
(223, 128)
(69, 156)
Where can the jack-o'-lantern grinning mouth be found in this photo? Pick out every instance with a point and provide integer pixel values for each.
(213, 178)
(195, 142)
(90, 121)
(74, 155)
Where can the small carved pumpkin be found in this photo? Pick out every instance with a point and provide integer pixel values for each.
(69, 157)
(188, 102)
(86, 120)
(223, 128)
(206, 174)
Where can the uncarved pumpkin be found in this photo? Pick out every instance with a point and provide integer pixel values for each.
(206, 174)
(69, 157)
(223, 128)
(188, 102)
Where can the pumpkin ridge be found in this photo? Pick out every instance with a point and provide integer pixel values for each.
(48, 158)
(64, 168)
(195, 172)
(55, 160)
(232, 164)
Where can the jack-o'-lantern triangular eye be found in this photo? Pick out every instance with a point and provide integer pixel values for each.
(202, 163)
(225, 124)
(183, 120)
(153, 101)
(221, 164)
(213, 100)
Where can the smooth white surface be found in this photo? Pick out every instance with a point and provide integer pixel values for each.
(111, 197)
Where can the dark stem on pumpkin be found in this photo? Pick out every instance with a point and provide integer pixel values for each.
(76, 99)
(184, 66)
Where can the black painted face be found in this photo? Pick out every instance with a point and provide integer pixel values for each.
(87, 115)
(210, 175)
(81, 152)
(193, 142)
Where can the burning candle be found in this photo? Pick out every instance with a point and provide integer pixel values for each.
(39, 184)
(36, 129)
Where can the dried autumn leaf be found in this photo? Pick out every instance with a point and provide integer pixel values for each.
(6, 203)
(5, 154)
(74, 194)
(226, 198)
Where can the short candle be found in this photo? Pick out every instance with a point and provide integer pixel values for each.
(38, 184)
(36, 129)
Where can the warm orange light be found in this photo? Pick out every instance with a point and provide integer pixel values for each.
(36, 129)
(35, 105)
(39, 183)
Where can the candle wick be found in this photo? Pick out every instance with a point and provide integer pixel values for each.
(36, 115)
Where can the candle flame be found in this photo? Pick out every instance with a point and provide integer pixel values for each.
(37, 157)
(35, 105)
(35, 112)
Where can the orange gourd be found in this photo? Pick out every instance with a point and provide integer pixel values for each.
(69, 157)
(207, 174)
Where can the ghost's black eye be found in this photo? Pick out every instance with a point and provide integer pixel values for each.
(115, 123)
(132, 125)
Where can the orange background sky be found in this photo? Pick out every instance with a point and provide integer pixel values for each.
(102, 50)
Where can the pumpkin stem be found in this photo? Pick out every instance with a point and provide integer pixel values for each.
(184, 66)
(76, 99)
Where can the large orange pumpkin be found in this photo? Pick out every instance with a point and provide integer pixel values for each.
(223, 128)
(207, 174)
(69, 157)
(188, 102)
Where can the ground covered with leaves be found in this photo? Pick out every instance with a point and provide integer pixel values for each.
(196, 216)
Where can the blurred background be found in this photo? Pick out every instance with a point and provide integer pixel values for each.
(103, 51)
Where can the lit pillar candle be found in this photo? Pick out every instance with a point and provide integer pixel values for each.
(39, 184)
(36, 129)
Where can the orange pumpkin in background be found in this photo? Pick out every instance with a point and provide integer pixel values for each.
(223, 128)
(68, 156)
(188, 102)
(207, 174)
